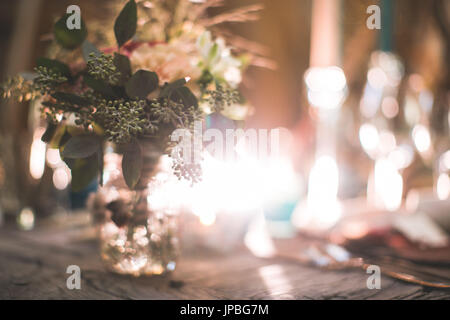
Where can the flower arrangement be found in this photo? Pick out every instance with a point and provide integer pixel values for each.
(156, 80)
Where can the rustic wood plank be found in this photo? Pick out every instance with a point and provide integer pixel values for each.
(33, 266)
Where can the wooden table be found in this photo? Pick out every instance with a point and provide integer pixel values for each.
(33, 266)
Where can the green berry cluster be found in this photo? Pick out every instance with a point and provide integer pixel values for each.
(47, 80)
(122, 120)
(167, 111)
(222, 97)
(102, 67)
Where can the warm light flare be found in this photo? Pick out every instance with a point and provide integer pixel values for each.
(421, 137)
(53, 157)
(243, 185)
(326, 87)
(387, 142)
(377, 78)
(25, 220)
(390, 107)
(388, 184)
(37, 155)
(402, 156)
(322, 209)
(444, 161)
(369, 137)
(61, 177)
(443, 186)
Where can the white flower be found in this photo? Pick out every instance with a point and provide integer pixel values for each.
(217, 58)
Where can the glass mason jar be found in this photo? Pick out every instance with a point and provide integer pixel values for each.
(138, 229)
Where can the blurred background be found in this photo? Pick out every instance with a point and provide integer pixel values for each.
(387, 132)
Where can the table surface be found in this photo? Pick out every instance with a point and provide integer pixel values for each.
(33, 266)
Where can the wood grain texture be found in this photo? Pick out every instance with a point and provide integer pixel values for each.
(33, 266)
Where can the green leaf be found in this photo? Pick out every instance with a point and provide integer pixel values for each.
(54, 65)
(169, 87)
(71, 98)
(49, 132)
(71, 163)
(87, 48)
(64, 138)
(178, 92)
(60, 137)
(132, 164)
(141, 84)
(213, 52)
(119, 91)
(122, 64)
(69, 39)
(184, 95)
(81, 146)
(99, 86)
(126, 23)
(84, 171)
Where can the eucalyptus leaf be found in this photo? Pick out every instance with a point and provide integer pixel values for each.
(126, 23)
(71, 163)
(81, 146)
(64, 138)
(75, 130)
(84, 171)
(60, 137)
(122, 64)
(69, 39)
(141, 84)
(119, 91)
(49, 132)
(132, 163)
(185, 96)
(169, 87)
(71, 98)
(99, 86)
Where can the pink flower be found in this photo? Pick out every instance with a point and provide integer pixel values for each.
(169, 61)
